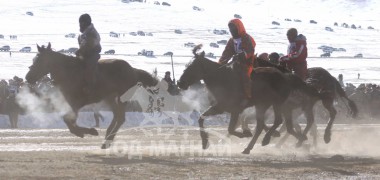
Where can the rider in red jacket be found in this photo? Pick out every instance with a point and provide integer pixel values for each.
(297, 53)
(244, 45)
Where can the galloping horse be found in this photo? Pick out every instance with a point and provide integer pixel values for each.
(270, 88)
(329, 88)
(115, 77)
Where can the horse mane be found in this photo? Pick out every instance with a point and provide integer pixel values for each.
(196, 49)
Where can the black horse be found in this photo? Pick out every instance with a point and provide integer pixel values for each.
(270, 88)
(329, 88)
(115, 77)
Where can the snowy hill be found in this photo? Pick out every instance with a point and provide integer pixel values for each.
(52, 20)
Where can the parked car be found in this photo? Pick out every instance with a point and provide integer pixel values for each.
(329, 29)
(223, 42)
(5, 48)
(146, 53)
(1, 36)
(133, 33)
(29, 13)
(313, 22)
(237, 16)
(196, 8)
(275, 23)
(70, 35)
(72, 50)
(189, 44)
(111, 51)
(360, 55)
(341, 49)
(113, 34)
(214, 45)
(165, 4)
(177, 31)
(327, 54)
(26, 49)
(140, 33)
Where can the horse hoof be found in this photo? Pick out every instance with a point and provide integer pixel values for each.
(299, 144)
(93, 132)
(247, 133)
(205, 143)
(81, 135)
(246, 151)
(327, 138)
(106, 145)
(276, 134)
(265, 141)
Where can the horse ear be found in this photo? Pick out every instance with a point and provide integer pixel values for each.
(38, 48)
(49, 46)
(154, 74)
(202, 54)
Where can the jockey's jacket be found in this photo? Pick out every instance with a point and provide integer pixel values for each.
(245, 43)
(89, 42)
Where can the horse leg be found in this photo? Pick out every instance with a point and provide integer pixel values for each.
(14, 119)
(260, 112)
(232, 125)
(308, 110)
(275, 133)
(328, 104)
(289, 124)
(277, 122)
(70, 120)
(117, 122)
(244, 125)
(314, 133)
(204, 135)
(97, 118)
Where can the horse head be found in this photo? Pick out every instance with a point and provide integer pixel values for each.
(40, 66)
(194, 70)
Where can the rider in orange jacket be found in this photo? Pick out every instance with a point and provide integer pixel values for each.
(244, 45)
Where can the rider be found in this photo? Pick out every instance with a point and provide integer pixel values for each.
(242, 45)
(89, 49)
(297, 53)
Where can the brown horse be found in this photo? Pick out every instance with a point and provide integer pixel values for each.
(270, 88)
(115, 77)
(329, 88)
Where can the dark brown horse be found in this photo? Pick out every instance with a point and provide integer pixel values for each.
(270, 88)
(329, 88)
(115, 77)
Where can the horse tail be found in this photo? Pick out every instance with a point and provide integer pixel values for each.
(351, 104)
(298, 84)
(145, 78)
